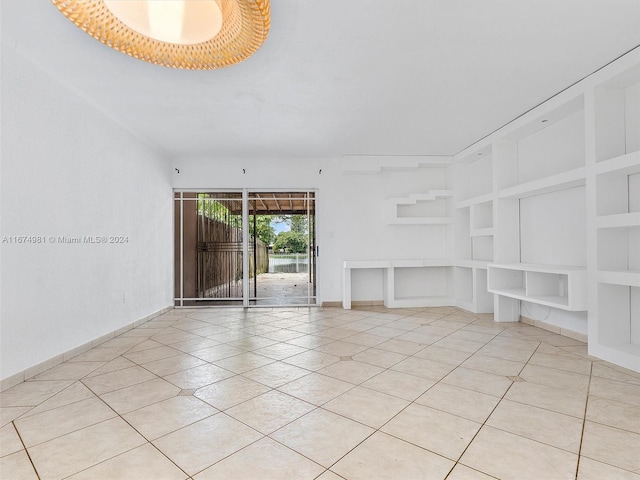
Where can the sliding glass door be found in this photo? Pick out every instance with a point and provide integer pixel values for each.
(276, 229)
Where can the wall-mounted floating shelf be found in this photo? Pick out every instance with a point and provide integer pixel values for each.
(429, 208)
(554, 286)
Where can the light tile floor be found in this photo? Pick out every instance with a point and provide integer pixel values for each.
(326, 394)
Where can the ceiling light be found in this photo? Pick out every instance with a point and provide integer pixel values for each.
(190, 34)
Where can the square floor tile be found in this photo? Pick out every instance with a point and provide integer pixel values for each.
(73, 393)
(459, 401)
(351, 371)
(198, 377)
(141, 395)
(266, 460)
(401, 346)
(151, 354)
(316, 388)
(545, 426)
(276, 374)
(552, 377)
(119, 363)
(367, 406)
(71, 453)
(379, 358)
(280, 351)
(312, 360)
(423, 368)
(177, 363)
(200, 445)
(32, 393)
(168, 415)
(9, 414)
(387, 458)
(566, 362)
(569, 402)
(398, 384)
(512, 457)
(17, 466)
(461, 472)
(612, 446)
(592, 470)
(9, 440)
(50, 424)
(217, 352)
(244, 362)
(478, 381)
(144, 462)
(269, 411)
(443, 355)
(341, 348)
(497, 366)
(614, 414)
(322, 436)
(437, 431)
(230, 392)
(615, 390)
(108, 382)
(69, 371)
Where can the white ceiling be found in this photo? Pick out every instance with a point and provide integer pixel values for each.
(376, 77)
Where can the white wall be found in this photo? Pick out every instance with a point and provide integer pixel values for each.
(350, 211)
(67, 170)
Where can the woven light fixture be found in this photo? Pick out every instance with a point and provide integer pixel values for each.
(160, 31)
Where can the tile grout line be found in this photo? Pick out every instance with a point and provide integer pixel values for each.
(493, 410)
(25, 449)
(412, 402)
(584, 421)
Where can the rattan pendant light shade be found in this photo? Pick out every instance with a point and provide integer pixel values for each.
(245, 25)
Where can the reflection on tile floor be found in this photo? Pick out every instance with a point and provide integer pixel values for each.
(325, 393)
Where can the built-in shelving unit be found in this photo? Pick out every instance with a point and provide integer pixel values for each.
(554, 286)
(473, 229)
(614, 330)
(545, 212)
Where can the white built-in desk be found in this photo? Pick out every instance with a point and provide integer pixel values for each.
(392, 298)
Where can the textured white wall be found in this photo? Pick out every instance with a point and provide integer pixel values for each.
(67, 170)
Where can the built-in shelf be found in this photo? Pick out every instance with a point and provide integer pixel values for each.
(620, 277)
(620, 220)
(623, 162)
(482, 232)
(482, 264)
(487, 197)
(561, 181)
(393, 298)
(554, 286)
(434, 210)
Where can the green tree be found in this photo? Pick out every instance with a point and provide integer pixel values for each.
(291, 242)
(264, 231)
(298, 223)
